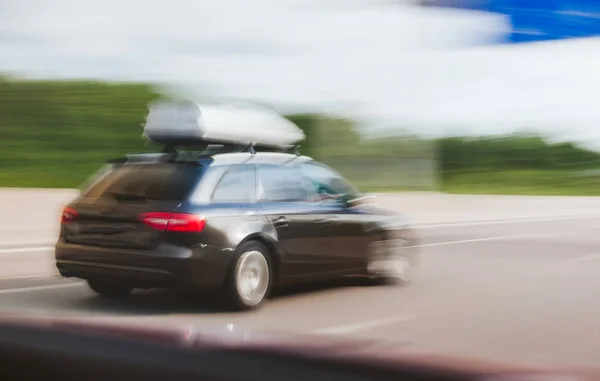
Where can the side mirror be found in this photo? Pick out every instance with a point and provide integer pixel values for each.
(361, 199)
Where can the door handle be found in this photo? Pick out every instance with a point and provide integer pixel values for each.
(328, 220)
(281, 222)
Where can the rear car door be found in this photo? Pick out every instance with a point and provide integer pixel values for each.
(109, 211)
(232, 209)
(284, 198)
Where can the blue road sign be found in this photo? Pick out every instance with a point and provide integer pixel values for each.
(538, 20)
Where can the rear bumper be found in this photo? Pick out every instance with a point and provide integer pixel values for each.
(165, 266)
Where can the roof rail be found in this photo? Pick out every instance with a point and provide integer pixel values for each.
(229, 148)
(170, 152)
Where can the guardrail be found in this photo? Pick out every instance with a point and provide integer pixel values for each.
(31, 216)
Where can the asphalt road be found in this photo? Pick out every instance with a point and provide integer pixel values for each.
(519, 291)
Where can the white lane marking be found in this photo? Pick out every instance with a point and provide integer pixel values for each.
(362, 326)
(36, 249)
(33, 277)
(497, 238)
(585, 258)
(39, 288)
(506, 221)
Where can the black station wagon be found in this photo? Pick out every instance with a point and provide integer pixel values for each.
(234, 222)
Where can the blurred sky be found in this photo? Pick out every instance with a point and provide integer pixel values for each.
(387, 61)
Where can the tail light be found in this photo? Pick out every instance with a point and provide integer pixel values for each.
(69, 215)
(174, 222)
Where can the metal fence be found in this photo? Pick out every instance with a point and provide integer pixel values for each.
(386, 163)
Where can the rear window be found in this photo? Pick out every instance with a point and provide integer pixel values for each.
(157, 181)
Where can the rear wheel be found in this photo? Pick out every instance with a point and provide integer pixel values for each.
(109, 290)
(250, 278)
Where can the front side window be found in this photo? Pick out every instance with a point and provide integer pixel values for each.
(238, 184)
(327, 183)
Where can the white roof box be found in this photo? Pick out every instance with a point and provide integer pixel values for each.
(181, 122)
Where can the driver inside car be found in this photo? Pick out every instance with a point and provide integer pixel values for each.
(325, 192)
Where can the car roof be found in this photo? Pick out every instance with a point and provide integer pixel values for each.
(218, 159)
(257, 158)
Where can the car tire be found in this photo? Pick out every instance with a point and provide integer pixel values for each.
(109, 290)
(250, 278)
(392, 266)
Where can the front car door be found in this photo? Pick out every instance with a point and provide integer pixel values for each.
(348, 240)
(285, 198)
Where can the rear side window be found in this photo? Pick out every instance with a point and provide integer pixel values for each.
(282, 183)
(157, 181)
(237, 184)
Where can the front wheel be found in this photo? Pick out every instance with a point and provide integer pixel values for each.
(250, 278)
(109, 290)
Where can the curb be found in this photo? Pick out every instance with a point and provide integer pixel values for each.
(505, 220)
(23, 246)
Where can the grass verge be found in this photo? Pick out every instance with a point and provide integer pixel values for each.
(523, 182)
